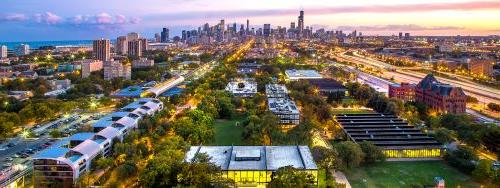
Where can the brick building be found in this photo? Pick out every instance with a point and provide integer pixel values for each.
(403, 91)
(483, 67)
(440, 97)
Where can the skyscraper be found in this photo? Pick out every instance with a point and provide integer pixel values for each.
(400, 35)
(121, 45)
(101, 49)
(3, 51)
(292, 25)
(301, 22)
(165, 35)
(144, 44)
(248, 26)
(267, 30)
(135, 48)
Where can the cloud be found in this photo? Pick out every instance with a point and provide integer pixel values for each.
(409, 27)
(135, 20)
(102, 19)
(13, 17)
(47, 18)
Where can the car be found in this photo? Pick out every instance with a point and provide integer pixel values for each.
(24, 155)
(11, 144)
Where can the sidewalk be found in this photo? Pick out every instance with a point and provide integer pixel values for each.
(341, 179)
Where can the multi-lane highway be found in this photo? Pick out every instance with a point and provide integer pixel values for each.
(483, 93)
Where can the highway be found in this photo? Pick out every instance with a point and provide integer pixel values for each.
(483, 93)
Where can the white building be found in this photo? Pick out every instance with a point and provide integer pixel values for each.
(22, 49)
(142, 62)
(67, 159)
(89, 66)
(294, 74)
(3, 51)
(242, 88)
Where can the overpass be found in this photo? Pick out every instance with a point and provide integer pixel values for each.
(160, 88)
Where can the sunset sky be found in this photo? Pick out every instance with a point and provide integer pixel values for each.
(38, 20)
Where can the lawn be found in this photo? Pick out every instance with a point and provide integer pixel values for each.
(227, 133)
(406, 174)
(350, 111)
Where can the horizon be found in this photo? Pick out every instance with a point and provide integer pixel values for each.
(87, 20)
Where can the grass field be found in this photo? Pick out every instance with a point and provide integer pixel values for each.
(406, 174)
(227, 133)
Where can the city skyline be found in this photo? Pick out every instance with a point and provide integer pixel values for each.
(63, 20)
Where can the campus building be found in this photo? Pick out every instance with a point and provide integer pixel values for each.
(253, 166)
(242, 88)
(117, 69)
(276, 91)
(403, 91)
(394, 136)
(89, 66)
(294, 75)
(142, 63)
(285, 109)
(440, 97)
(328, 86)
(62, 164)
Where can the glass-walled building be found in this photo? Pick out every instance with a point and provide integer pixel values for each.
(394, 136)
(253, 166)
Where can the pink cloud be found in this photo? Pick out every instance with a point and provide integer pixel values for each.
(47, 18)
(103, 18)
(120, 19)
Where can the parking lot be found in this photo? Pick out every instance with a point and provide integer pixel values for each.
(19, 150)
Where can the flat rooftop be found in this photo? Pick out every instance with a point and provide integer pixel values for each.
(294, 74)
(276, 89)
(386, 131)
(282, 106)
(265, 158)
(249, 87)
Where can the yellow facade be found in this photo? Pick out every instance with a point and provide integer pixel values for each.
(249, 178)
(412, 153)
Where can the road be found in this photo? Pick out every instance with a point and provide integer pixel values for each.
(484, 94)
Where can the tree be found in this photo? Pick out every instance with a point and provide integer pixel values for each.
(324, 157)
(195, 131)
(289, 177)
(470, 99)
(126, 170)
(493, 106)
(463, 158)
(54, 133)
(444, 135)
(350, 155)
(484, 171)
(372, 153)
(104, 162)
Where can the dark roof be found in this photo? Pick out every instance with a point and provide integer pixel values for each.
(431, 83)
(326, 83)
(385, 130)
(427, 82)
